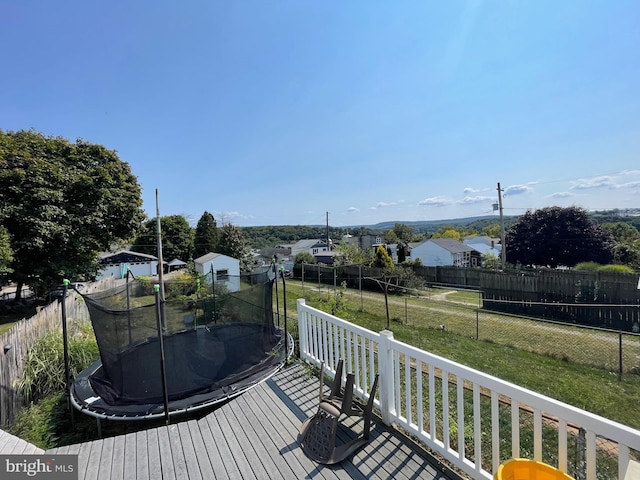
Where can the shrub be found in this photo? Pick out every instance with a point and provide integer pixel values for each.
(587, 266)
(616, 269)
(144, 286)
(38, 423)
(596, 267)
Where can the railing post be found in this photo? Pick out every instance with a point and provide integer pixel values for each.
(385, 370)
(302, 329)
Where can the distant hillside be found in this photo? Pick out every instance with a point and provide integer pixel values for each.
(629, 215)
(270, 236)
(430, 226)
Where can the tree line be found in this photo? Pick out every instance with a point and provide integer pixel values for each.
(63, 202)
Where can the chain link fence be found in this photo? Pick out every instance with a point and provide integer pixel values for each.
(460, 311)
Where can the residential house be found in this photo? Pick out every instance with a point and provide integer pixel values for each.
(325, 257)
(117, 264)
(484, 244)
(176, 264)
(311, 246)
(225, 269)
(365, 242)
(445, 251)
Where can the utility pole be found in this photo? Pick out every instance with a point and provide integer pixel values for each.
(503, 248)
(327, 233)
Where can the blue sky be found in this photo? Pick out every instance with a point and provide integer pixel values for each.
(275, 112)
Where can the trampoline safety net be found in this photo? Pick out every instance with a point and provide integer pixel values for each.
(218, 335)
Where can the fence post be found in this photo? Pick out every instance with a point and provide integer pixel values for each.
(406, 311)
(302, 329)
(385, 370)
(620, 370)
(360, 287)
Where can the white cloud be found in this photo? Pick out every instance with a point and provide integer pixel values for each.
(629, 185)
(353, 209)
(384, 204)
(518, 190)
(435, 201)
(560, 195)
(596, 182)
(469, 190)
(228, 216)
(473, 200)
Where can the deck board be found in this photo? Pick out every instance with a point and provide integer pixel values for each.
(93, 468)
(153, 453)
(166, 457)
(106, 459)
(142, 454)
(253, 436)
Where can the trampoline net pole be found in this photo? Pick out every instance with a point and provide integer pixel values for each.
(165, 395)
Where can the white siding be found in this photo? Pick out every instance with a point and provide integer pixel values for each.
(222, 263)
(141, 269)
(432, 255)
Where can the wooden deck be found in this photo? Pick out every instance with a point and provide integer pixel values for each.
(12, 445)
(252, 437)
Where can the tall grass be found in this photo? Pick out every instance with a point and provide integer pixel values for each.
(44, 369)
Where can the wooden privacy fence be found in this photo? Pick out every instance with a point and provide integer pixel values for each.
(600, 299)
(610, 300)
(16, 343)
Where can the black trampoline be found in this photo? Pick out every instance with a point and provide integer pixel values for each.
(215, 344)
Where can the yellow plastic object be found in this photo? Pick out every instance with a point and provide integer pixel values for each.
(523, 469)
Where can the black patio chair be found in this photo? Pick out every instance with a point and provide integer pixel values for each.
(318, 434)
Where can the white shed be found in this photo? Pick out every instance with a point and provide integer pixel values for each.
(225, 269)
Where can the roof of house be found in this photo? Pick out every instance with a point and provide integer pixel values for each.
(125, 256)
(210, 256)
(328, 253)
(453, 246)
(481, 239)
(308, 243)
(176, 263)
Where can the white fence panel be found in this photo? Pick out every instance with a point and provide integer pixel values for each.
(474, 420)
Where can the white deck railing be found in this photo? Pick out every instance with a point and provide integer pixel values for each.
(474, 420)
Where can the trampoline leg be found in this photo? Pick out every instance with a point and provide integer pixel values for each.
(99, 425)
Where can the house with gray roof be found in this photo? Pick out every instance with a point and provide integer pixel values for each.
(119, 263)
(309, 245)
(484, 244)
(439, 252)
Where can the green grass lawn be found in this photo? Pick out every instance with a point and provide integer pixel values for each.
(592, 389)
(9, 319)
(5, 327)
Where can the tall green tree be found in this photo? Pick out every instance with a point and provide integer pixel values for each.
(177, 238)
(556, 236)
(404, 233)
(206, 236)
(627, 243)
(6, 254)
(233, 243)
(304, 257)
(382, 259)
(351, 253)
(494, 230)
(62, 203)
